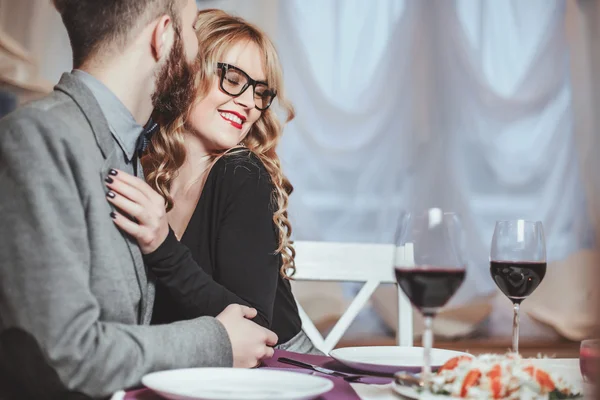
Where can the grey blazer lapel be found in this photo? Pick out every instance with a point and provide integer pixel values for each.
(88, 105)
(85, 100)
(146, 314)
(112, 161)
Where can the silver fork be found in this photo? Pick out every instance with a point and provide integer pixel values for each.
(322, 370)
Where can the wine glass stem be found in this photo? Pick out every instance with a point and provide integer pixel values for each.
(427, 345)
(515, 335)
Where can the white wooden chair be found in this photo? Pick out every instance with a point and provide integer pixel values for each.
(352, 262)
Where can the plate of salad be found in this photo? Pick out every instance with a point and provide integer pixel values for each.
(494, 376)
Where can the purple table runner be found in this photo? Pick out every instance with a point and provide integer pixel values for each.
(341, 390)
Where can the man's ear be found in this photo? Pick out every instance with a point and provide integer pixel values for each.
(162, 37)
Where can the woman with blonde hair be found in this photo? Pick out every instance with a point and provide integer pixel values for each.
(226, 196)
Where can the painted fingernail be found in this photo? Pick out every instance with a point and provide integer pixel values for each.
(113, 215)
(113, 172)
(111, 195)
(108, 179)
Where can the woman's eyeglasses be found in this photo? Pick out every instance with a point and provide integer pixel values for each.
(234, 82)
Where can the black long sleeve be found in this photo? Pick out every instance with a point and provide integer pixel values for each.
(227, 253)
(190, 286)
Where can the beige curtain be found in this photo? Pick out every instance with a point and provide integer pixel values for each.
(583, 30)
(568, 301)
(36, 27)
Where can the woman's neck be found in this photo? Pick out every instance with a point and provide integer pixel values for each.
(195, 167)
(187, 186)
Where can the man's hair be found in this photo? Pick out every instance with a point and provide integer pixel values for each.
(94, 25)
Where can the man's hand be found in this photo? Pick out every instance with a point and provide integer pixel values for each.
(250, 342)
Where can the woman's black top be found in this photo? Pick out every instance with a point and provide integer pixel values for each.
(227, 253)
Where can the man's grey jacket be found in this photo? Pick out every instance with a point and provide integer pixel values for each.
(70, 281)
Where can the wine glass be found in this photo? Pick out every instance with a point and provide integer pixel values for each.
(518, 263)
(429, 267)
(589, 359)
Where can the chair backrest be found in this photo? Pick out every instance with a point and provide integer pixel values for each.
(351, 262)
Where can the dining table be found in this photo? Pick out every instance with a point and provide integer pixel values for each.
(371, 387)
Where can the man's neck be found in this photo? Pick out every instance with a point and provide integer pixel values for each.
(133, 88)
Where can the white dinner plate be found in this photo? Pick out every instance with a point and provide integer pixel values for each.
(235, 384)
(390, 359)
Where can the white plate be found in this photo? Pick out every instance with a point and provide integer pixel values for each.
(390, 359)
(235, 384)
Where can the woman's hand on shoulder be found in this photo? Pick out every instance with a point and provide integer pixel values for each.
(142, 212)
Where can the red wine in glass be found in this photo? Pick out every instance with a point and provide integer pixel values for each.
(517, 279)
(518, 263)
(429, 267)
(429, 288)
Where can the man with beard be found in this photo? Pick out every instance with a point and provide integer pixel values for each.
(75, 298)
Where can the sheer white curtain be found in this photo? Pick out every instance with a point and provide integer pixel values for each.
(349, 145)
(462, 104)
(506, 122)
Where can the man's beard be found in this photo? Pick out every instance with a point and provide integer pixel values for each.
(175, 86)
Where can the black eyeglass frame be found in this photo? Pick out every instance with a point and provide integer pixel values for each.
(224, 67)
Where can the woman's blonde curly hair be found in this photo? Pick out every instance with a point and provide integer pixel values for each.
(218, 32)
